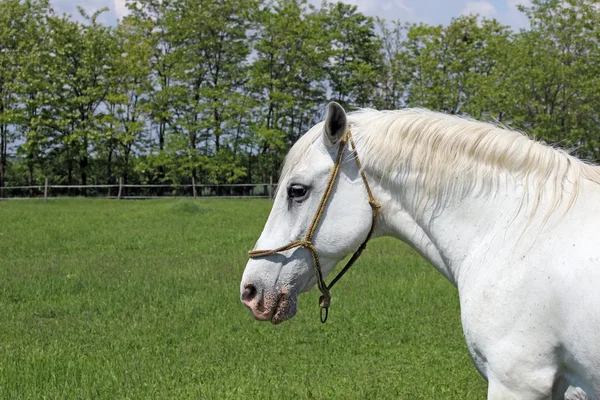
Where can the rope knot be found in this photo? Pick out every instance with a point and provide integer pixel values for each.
(325, 301)
(374, 203)
(305, 243)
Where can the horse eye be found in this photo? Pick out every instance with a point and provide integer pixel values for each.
(296, 191)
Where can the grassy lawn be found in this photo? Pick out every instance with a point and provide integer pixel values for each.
(139, 300)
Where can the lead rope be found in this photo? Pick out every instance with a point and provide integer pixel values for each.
(325, 299)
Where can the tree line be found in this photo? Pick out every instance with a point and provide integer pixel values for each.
(218, 90)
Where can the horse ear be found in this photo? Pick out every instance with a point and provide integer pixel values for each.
(336, 123)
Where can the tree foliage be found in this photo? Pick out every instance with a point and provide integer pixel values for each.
(218, 90)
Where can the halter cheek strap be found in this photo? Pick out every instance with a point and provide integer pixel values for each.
(307, 241)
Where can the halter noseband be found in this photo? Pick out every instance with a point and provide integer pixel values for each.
(307, 242)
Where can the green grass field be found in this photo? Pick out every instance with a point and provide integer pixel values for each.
(140, 300)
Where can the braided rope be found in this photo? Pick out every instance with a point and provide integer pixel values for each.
(325, 299)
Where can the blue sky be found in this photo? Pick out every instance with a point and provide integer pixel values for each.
(441, 11)
(428, 11)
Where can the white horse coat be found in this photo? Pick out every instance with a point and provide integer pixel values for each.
(512, 223)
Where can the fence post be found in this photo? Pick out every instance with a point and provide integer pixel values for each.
(271, 191)
(46, 191)
(120, 188)
(194, 186)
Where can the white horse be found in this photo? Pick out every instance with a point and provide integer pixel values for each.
(511, 222)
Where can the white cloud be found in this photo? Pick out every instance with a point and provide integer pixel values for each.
(428, 11)
(515, 3)
(513, 16)
(396, 6)
(482, 8)
(90, 6)
(121, 9)
(388, 9)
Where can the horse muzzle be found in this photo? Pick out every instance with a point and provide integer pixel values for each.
(275, 305)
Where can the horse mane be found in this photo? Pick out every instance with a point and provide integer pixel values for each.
(454, 156)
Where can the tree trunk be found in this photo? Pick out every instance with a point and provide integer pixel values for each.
(193, 148)
(3, 147)
(83, 164)
(217, 129)
(161, 135)
(30, 177)
(250, 171)
(126, 169)
(265, 187)
(109, 169)
(69, 165)
(69, 175)
(161, 147)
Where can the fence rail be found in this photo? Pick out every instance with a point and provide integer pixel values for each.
(137, 191)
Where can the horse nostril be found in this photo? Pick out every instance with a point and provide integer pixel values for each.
(249, 293)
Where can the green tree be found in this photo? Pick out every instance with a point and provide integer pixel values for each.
(397, 68)
(159, 20)
(287, 78)
(127, 102)
(459, 68)
(355, 62)
(82, 59)
(217, 90)
(556, 75)
(215, 44)
(33, 88)
(15, 22)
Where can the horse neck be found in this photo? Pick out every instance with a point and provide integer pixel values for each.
(453, 234)
(496, 185)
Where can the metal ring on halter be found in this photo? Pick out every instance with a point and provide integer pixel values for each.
(323, 320)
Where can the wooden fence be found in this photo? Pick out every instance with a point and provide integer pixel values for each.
(130, 191)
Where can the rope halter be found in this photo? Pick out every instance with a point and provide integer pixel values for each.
(307, 241)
